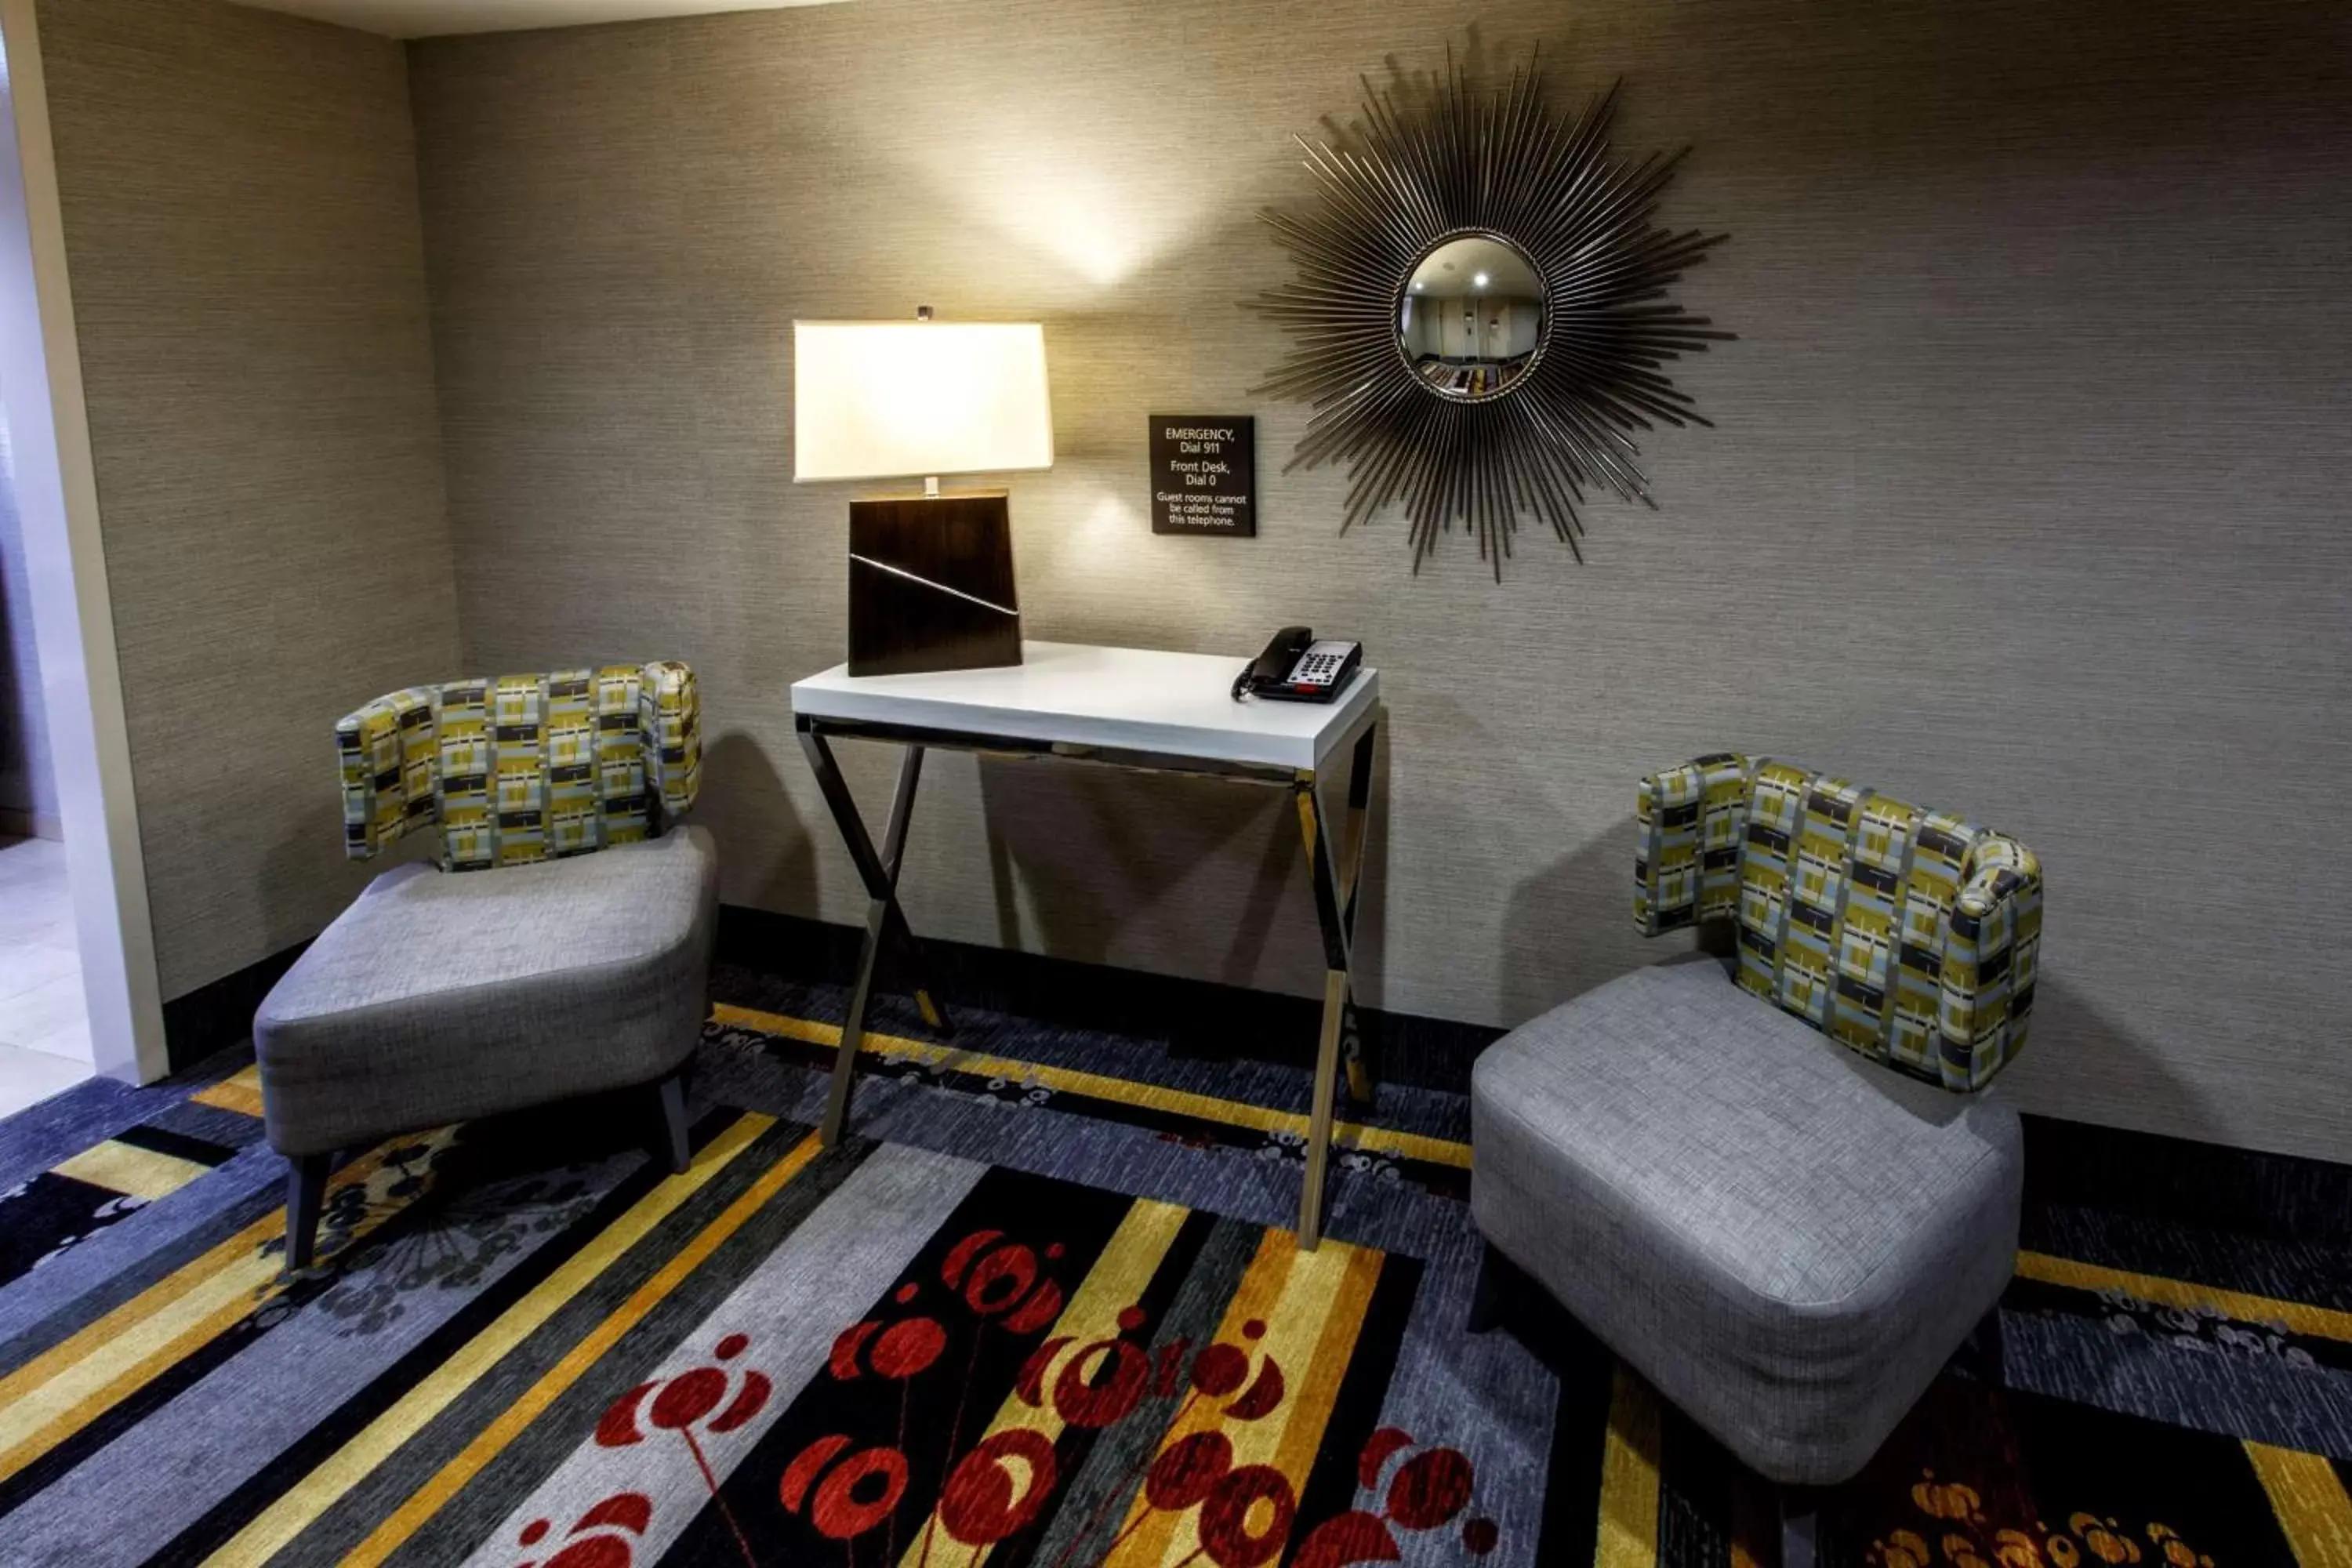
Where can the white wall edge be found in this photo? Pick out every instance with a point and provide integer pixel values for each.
(56, 493)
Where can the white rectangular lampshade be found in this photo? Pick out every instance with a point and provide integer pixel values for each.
(883, 399)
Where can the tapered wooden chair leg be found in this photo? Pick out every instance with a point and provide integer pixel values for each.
(1800, 1526)
(671, 1091)
(1984, 1351)
(306, 1191)
(1498, 1282)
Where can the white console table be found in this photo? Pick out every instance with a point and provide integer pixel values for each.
(1169, 712)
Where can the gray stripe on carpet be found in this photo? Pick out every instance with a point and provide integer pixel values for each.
(352, 1518)
(1483, 1395)
(168, 1470)
(791, 1308)
(2201, 1386)
(65, 1124)
(92, 1278)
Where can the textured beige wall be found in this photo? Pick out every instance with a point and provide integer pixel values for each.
(239, 192)
(2027, 497)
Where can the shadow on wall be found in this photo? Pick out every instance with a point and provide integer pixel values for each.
(1570, 927)
(2066, 1027)
(309, 831)
(1072, 838)
(768, 861)
(1103, 855)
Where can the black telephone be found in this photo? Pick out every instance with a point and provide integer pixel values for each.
(1294, 668)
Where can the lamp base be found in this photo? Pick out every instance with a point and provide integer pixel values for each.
(931, 584)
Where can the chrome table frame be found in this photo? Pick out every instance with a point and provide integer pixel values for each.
(1335, 870)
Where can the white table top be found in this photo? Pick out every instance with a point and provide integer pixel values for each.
(1178, 704)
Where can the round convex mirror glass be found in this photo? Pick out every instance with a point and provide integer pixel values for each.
(1471, 318)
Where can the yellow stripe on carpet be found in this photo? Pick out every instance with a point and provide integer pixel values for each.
(240, 1091)
(2320, 1322)
(128, 1169)
(1315, 1385)
(428, 1499)
(1309, 1307)
(301, 1504)
(2308, 1498)
(1627, 1534)
(1069, 1080)
(1115, 1283)
(57, 1394)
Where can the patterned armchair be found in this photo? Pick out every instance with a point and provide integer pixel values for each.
(1788, 1239)
(524, 767)
(1909, 935)
(439, 998)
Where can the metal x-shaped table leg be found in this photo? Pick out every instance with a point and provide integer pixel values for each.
(884, 921)
(1337, 878)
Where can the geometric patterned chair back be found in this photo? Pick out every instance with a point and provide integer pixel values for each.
(1912, 936)
(524, 767)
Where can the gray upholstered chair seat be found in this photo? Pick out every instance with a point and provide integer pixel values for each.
(1785, 1238)
(439, 996)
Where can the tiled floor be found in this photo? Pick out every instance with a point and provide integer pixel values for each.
(44, 1024)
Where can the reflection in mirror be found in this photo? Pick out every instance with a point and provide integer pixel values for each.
(1472, 317)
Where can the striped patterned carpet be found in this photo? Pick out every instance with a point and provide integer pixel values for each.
(1040, 1311)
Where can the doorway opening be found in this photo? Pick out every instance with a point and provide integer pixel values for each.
(45, 1042)
(78, 992)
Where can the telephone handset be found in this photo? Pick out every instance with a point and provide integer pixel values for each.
(1295, 667)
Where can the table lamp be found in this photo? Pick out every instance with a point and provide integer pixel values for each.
(930, 576)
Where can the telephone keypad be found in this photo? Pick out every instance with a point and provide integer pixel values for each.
(1319, 667)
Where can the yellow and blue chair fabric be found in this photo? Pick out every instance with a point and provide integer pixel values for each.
(523, 767)
(1911, 936)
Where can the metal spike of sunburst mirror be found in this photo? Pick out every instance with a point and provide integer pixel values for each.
(1523, 390)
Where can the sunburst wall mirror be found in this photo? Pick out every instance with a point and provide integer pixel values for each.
(1481, 316)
